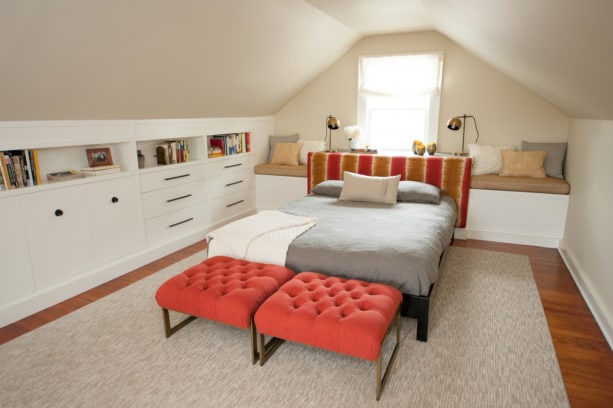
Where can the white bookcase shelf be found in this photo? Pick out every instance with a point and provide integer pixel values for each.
(115, 222)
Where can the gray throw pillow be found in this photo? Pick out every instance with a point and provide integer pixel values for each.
(330, 188)
(554, 161)
(417, 192)
(272, 140)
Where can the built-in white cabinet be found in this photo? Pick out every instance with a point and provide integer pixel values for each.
(115, 217)
(59, 234)
(174, 201)
(231, 187)
(16, 278)
(62, 238)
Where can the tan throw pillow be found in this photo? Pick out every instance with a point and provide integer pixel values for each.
(358, 187)
(523, 163)
(286, 153)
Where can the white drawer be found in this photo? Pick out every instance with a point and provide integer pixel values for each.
(219, 167)
(230, 183)
(175, 224)
(171, 199)
(180, 174)
(232, 204)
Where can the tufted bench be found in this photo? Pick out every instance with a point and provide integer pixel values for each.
(346, 316)
(222, 289)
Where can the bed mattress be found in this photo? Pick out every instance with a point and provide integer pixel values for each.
(399, 245)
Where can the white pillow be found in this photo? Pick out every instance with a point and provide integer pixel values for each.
(357, 187)
(487, 159)
(310, 146)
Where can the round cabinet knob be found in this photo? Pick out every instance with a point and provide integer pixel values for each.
(59, 213)
(114, 199)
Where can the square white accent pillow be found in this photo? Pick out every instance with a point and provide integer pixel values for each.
(357, 187)
(487, 159)
(310, 146)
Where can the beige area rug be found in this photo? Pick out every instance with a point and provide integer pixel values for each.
(488, 346)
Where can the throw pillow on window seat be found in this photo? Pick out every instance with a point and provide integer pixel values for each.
(286, 153)
(486, 158)
(272, 140)
(554, 162)
(523, 164)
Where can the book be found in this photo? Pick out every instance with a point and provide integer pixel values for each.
(36, 168)
(64, 175)
(98, 168)
(6, 179)
(101, 172)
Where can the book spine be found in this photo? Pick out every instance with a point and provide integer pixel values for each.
(8, 161)
(5, 173)
(29, 173)
(18, 170)
(36, 168)
(248, 141)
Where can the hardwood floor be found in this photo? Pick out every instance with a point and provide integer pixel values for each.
(585, 358)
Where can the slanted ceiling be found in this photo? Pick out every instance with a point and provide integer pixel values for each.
(116, 59)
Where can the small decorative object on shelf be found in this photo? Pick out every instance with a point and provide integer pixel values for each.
(419, 148)
(431, 148)
(353, 134)
(141, 159)
(100, 156)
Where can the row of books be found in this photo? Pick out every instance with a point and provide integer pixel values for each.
(232, 143)
(172, 151)
(19, 168)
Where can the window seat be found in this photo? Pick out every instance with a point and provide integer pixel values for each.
(549, 185)
(279, 184)
(281, 170)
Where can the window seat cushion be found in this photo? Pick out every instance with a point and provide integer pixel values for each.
(281, 170)
(549, 185)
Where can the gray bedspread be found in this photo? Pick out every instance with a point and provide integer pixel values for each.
(399, 245)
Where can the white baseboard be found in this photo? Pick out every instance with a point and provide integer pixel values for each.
(513, 237)
(585, 288)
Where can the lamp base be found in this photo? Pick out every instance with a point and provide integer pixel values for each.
(460, 153)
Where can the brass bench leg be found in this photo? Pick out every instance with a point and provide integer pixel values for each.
(381, 379)
(169, 331)
(267, 349)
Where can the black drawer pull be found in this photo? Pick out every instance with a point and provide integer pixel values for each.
(233, 204)
(176, 177)
(114, 200)
(59, 213)
(229, 166)
(235, 183)
(178, 198)
(181, 222)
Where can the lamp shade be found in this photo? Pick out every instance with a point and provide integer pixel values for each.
(454, 123)
(333, 123)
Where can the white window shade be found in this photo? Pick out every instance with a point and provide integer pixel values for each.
(401, 75)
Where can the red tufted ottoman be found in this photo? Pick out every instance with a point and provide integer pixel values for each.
(223, 289)
(347, 316)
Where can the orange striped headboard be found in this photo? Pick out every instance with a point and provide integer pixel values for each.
(450, 173)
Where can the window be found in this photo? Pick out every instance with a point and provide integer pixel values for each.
(398, 100)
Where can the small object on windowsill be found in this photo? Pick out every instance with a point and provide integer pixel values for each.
(364, 151)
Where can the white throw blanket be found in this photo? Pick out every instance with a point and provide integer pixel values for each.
(263, 237)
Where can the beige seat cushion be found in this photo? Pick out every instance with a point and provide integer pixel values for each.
(550, 185)
(281, 170)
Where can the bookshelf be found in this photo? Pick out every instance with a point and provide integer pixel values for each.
(228, 144)
(71, 235)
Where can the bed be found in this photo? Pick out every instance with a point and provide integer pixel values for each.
(401, 244)
(398, 244)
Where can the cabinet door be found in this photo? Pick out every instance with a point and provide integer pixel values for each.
(117, 227)
(59, 234)
(16, 277)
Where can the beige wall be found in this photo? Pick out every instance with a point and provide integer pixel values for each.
(586, 246)
(506, 111)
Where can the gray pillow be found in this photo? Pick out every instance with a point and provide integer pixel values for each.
(330, 188)
(408, 191)
(554, 161)
(417, 192)
(272, 140)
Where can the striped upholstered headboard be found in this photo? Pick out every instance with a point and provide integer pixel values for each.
(450, 173)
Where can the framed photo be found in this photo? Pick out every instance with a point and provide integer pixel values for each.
(99, 157)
